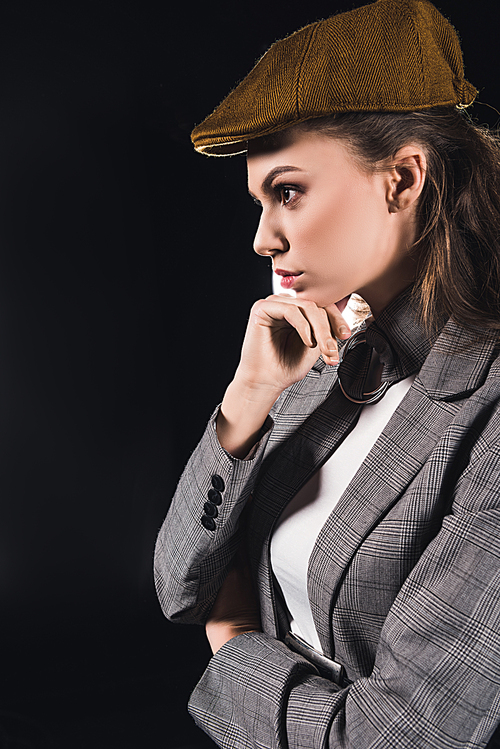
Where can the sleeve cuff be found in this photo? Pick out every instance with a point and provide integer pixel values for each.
(254, 450)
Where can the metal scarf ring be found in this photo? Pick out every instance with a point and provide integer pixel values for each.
(374, 395)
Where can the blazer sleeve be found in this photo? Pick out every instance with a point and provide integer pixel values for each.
(194, 549)
(436, 678)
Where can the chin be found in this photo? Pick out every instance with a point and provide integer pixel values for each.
(319, 298)
(341, 304)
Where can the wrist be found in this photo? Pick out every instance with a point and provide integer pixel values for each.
(220, 633)
(242, 415)
(254, 393)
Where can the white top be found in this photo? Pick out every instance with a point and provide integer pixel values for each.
(302, 520)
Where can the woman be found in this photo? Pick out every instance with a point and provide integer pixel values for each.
(337, 527)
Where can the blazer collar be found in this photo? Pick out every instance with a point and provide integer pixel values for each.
(452, 361)
(459, 362)
(400, 339)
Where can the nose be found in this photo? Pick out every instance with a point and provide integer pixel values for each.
(269, 239)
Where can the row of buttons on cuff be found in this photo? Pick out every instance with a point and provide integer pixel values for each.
(214, 500)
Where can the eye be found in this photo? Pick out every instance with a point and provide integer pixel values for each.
(286, 193)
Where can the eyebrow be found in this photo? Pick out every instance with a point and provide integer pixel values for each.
(271, 176)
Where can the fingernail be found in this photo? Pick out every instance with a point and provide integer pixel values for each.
(331, 345)
(343, 330)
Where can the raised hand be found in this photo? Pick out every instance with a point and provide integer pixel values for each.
(284, 337)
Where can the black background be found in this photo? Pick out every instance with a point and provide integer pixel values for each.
(126, 275)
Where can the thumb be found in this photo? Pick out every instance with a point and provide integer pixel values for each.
(338, 324)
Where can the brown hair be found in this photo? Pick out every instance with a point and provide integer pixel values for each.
(459, 209)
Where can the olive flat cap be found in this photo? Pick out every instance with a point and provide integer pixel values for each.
(389, 56)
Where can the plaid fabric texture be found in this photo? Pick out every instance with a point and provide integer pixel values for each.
(404, 579)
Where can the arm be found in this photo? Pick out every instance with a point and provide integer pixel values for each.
(284, 338)
(191, 560)
(436, 678)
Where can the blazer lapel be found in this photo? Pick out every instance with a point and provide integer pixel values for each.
(392, 463)
(313, 419)
(456, 367)
(283, 473)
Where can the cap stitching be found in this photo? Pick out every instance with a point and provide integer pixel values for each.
(314, 30)
(410, 16)
(213, 141)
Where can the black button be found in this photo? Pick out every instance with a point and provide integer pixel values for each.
(218, 483)
(208, 523)
(210, 510)
(215, 496)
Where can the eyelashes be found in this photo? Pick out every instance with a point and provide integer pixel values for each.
(286, 194)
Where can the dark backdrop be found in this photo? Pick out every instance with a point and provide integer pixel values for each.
(126, 275)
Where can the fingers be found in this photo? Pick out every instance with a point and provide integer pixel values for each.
(315, 325)
(272, 313)
(338, 322)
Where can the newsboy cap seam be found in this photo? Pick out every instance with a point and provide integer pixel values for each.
(217, 141)
(411, 19)
(223, 140)
(312, 37)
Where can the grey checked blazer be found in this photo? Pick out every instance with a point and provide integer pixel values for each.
(404, 579)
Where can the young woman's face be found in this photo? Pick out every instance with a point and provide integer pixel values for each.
(328, 225)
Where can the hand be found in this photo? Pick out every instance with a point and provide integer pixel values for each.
(284, 337)
(236, 609)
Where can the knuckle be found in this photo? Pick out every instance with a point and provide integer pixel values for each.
(256, 306)
(307, 304)
(323, 314)
(278, 298)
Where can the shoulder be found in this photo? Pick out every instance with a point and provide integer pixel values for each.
(461, 362)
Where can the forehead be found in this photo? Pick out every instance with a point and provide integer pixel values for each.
(310, 152)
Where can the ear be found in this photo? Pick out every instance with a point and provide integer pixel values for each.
(406, 178)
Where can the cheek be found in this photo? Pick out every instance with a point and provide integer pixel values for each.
(342, 226)
(358, 224)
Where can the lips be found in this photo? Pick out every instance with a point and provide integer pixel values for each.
(280, 272)
(288, 278)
